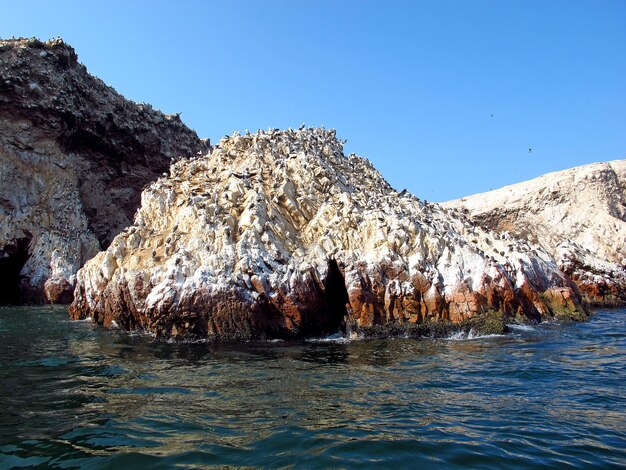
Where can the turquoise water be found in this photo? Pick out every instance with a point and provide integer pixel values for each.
(74, 395)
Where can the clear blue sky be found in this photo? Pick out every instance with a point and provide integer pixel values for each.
(411, 85)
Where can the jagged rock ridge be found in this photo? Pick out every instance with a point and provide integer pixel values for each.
(74, 157)
(577, 215)
(279, 234)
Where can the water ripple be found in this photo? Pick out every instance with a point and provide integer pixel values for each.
(549, 395)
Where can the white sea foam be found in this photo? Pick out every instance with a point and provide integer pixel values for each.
(458, 336)
(471, 335)
(334, 338)
(517, 326)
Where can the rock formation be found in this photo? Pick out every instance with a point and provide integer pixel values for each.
(577, 215)
(74, 157)
(280, 235)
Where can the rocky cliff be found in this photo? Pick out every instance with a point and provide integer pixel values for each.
(279, 234)
(74, 157)
(577, 215)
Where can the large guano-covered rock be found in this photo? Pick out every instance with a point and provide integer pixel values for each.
(74, 158)
(280, 235)
(577, 215)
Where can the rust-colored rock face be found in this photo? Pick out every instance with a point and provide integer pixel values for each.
(58, 290)
(577, 215)
(279, 234)
(74, 157)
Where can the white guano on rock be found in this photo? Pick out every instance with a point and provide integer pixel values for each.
(279, 234)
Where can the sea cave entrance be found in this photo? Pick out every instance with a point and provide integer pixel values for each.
(336, 298)
(12, 260)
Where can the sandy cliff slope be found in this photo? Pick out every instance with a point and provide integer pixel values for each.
(577, 215)
(74, 157)
(279, 234)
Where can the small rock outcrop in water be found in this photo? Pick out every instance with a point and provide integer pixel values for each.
(577, 215)
(74, 157)
(278, 234)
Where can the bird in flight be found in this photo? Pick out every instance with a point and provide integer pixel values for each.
(530, 150)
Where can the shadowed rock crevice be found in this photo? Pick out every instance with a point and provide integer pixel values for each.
(12, 260)
(336, 299)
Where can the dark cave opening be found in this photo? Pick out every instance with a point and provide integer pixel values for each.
(336, 298)
(12, 260)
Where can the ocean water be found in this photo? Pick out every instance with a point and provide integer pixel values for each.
(548, 396)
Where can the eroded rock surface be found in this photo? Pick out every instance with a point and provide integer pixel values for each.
(74, 157)
(577, 215)
(279, 234)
